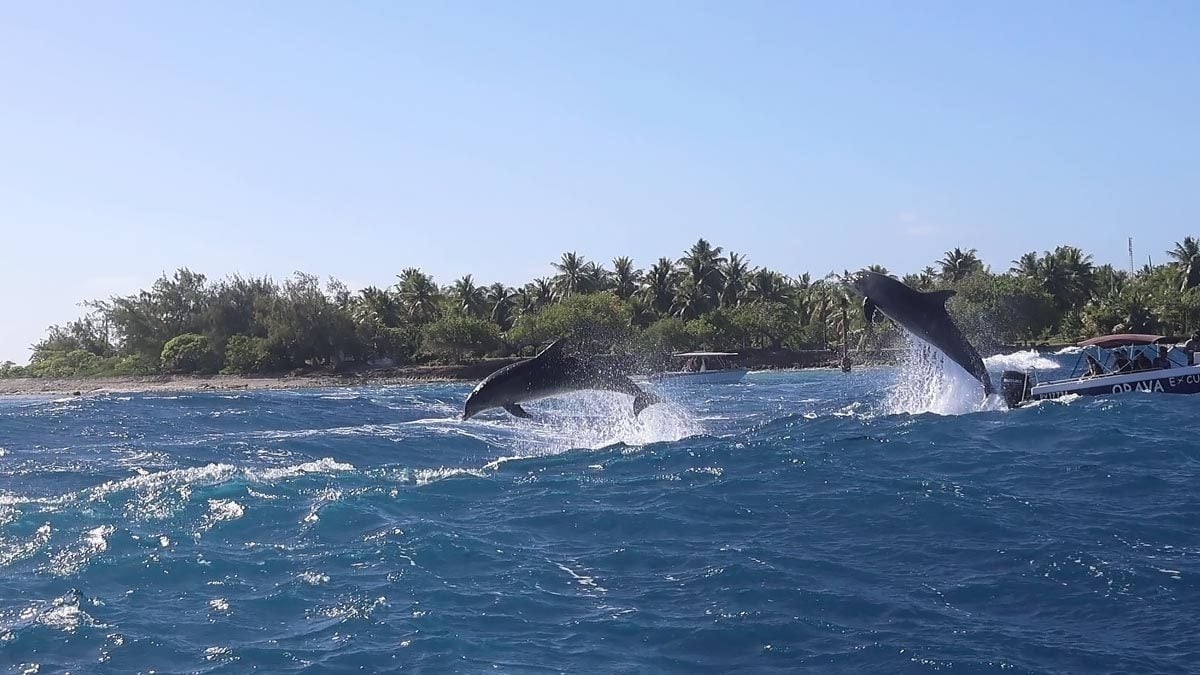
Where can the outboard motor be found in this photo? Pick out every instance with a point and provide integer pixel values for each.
(1015, 387)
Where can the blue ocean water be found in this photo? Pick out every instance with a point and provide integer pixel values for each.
(798, 522)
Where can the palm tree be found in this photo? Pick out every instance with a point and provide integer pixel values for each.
(735, 278)
(820, 305)
(957, 264)
(879, 269)
(469, 298)
(801, 291)
(702, 264)
(690, 300)
(523, 301)
(1026, 266)
(1056, 279)
(570, 273)
(643, 313)
(542, 290)
(625, 277)
(377, 306)
(418, 294)
(1109, 281)
(592, 278)
(1185, 250)
(924, 280)
(767, 286)
(658, 286)
(502, 300)
(1080, 271)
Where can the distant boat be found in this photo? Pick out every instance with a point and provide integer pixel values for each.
(702, 368)
(1112, 364)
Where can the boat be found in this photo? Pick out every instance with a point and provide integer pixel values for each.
(1109, 364)
(702, 368)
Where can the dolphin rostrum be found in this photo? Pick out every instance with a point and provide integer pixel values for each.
(550, 373)
(924, 315)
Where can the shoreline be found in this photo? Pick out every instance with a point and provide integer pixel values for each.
(130, 384)
(466, 372)
(84, 386)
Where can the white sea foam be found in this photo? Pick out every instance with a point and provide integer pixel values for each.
(62, 613)
(1023, 361)
(225, 509)
(590, 420)
(209, 474)
(584, 580)
(219, 654)
(426, 476)
(323, 465)
(73, 558)
(313, 578)
(355, 608)
(12, 551)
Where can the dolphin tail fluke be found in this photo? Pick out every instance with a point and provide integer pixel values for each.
(644, 400)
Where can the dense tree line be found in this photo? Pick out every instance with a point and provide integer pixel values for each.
(706, 299)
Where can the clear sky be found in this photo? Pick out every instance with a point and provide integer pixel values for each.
(356, 139)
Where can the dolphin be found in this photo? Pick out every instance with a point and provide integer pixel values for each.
(924, 315)
(550, 373)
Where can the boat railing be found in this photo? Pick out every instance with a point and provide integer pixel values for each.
(1078, 374)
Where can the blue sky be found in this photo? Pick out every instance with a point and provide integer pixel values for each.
(354, 140)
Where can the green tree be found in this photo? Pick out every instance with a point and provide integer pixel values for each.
(658, 288)
(418, 294)
(767, 286)
(188, 353)
(453, 337)
(245, 354)
(625, 277)
(735, 276)
(702, 265)
(668, 334)
(598, 321)
(1185, 250)
(571, 273)
(469, 299)
(958, 263)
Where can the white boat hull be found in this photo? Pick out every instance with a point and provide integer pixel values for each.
(1183, 380)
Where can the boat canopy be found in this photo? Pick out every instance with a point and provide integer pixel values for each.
(1123, 340)
(685, 355)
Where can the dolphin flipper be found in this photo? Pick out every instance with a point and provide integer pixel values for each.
(869, 310)
(517, 411)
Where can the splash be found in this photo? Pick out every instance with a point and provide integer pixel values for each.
(1023, 361)
(594, 420)
(928, 382)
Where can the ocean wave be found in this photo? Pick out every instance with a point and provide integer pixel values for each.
(739, 529)
(72, 559)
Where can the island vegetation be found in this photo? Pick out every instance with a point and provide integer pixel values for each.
(705, 299)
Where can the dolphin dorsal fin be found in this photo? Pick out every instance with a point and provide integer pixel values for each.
(940, 297)
(553, 349)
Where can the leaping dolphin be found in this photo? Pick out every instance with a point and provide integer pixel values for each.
(923, 315)
(550, 373)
